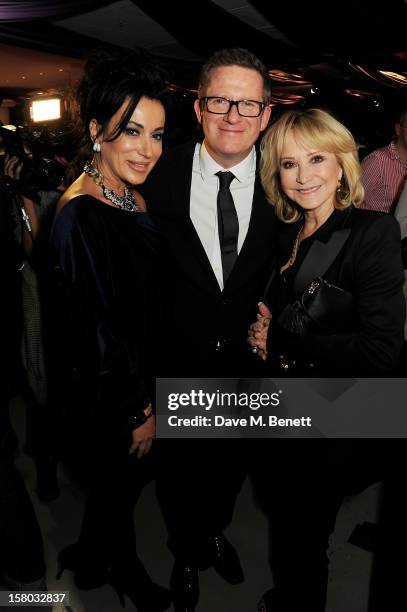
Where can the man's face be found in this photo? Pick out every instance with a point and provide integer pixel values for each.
(229, 138)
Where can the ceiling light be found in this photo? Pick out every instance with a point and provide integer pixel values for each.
(287, 77)
(394, 76)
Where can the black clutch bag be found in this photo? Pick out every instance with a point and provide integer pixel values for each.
(322, 307)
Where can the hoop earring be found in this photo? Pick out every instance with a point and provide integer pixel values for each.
(96, 147)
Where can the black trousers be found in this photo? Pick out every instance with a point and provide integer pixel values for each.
(199, 479)
(301, 487)
(197, 485)
(388, 576)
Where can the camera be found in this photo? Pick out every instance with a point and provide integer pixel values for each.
(34, 149)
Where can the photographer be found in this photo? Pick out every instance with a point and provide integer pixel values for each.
(33, 182)
(12, 169)
(22, 564)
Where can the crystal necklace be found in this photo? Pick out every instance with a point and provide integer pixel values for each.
(125, 202)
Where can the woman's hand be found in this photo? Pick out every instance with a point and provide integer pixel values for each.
(143, 435)
(258, 331)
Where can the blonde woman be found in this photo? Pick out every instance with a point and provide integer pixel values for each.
(310, 173)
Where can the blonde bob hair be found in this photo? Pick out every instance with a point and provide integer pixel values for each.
(319, 131)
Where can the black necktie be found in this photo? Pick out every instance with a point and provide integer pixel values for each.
(228, 224)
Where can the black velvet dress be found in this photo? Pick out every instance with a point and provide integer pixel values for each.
(108, 261)
(107, 267)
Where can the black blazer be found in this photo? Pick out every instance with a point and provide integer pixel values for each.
(370, 267)
(199, 316)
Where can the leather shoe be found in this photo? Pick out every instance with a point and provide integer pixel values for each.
(184, 585)
(224, 559)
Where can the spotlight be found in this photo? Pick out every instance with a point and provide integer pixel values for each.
(45, 109)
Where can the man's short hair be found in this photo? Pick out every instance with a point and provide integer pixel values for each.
(234, 57)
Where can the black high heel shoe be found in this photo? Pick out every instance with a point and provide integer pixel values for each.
(220, 554)
(88, 574)
(141, 590)
(184, 583)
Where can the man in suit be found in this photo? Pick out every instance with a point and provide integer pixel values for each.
(221, 254)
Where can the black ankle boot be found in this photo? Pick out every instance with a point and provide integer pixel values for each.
(184, 584)
(220, 554)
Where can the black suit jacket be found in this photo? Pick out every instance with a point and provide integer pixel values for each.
(370, 267)
(201, 322)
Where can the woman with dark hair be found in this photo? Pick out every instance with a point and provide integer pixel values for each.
(108, 251)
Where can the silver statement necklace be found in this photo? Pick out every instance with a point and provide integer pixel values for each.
(125, 202)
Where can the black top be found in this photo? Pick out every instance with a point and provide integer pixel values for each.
(369, 266)
(108, 261)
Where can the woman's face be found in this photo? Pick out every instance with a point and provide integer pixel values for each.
(309, 177)
(133, 154)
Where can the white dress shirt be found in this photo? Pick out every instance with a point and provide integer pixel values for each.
(203, 205)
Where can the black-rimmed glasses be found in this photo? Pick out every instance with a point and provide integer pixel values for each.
(222, 106)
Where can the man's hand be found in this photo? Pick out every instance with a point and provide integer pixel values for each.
(258, 331)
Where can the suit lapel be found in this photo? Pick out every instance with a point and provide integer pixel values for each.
(321, 255)
(187, 245)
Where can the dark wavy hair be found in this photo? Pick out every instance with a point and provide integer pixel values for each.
(112, 77)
